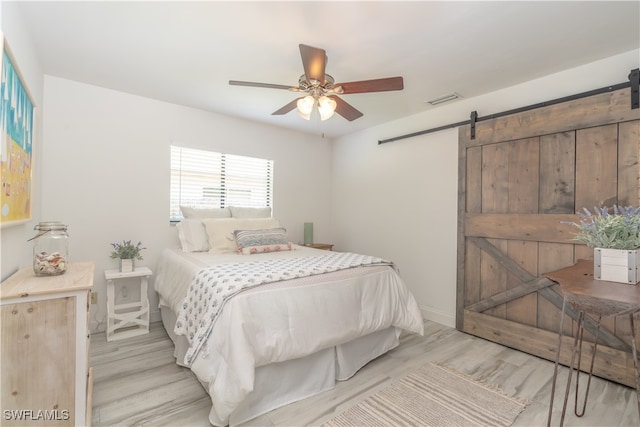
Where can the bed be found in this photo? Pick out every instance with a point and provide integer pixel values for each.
(279, 341)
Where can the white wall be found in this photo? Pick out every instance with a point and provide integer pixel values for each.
(399, 200)
(16, 251)
(106, 171)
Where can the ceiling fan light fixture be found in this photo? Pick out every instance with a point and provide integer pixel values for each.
(321, 89)
(305, 106)
(326, 107)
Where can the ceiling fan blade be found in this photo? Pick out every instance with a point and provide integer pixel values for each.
(376, 85)
(314, 61)
(284, 110)
(254, 84)
(345, 109)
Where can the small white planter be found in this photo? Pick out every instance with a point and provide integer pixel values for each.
(127, 265)
(616, 265)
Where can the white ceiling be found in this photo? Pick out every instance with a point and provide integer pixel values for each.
(186, 52)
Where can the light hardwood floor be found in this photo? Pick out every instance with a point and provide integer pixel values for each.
(138, 383)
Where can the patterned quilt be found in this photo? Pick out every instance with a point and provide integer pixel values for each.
(214, 285)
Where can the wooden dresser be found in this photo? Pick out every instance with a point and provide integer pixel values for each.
(44, 362)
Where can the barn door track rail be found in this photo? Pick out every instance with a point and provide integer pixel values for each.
(634, 83)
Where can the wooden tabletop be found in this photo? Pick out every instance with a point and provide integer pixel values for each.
(599, 296)
(117, 274)
(24, 282)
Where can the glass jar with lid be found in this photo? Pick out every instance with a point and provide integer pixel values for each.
(50, 248)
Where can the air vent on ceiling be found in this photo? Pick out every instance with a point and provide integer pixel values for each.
(445, 98)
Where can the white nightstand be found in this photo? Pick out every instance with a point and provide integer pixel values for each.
(129, 319)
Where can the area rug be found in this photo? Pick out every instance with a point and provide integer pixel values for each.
(434, 395)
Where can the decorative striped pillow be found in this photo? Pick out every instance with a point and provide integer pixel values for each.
(263, 240)
(250, 250)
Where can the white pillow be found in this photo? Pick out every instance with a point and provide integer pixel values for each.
(220, 231)
(238, 212)
(193, 236)
(189, 212)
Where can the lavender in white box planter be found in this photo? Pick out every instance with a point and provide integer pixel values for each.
(616, 242)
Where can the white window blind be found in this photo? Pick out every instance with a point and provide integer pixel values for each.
(206, 179)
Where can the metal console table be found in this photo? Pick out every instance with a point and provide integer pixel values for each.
(598, 298)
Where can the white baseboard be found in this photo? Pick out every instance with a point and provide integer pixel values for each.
(429, 313)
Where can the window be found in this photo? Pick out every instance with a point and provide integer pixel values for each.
(206, 179)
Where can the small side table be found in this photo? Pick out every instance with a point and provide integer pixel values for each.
(129, 319)
(323, 246)
(596, 297)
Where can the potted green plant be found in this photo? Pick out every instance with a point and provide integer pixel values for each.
(615, 238)
(127, 253)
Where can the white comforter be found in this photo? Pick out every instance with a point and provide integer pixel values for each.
(286, 320)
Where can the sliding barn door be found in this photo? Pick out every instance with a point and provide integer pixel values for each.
(519, 178)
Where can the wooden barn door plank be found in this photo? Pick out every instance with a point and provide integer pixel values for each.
(468, 255)
(614, 364)
(473, 204)
(557, 173)
(534, 227)
(597, 174)
(557, 195)
(523, 175)
(524, 309)
(553, 256)
(628, 159)
(596, 166)
(523, 187)
(628, 188)
(606, 108)
(495, 199)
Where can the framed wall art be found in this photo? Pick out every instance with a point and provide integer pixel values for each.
(16, 125)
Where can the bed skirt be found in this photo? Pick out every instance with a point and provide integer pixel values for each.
(279, 384)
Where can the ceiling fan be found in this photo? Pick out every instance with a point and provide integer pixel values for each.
(322, 91)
